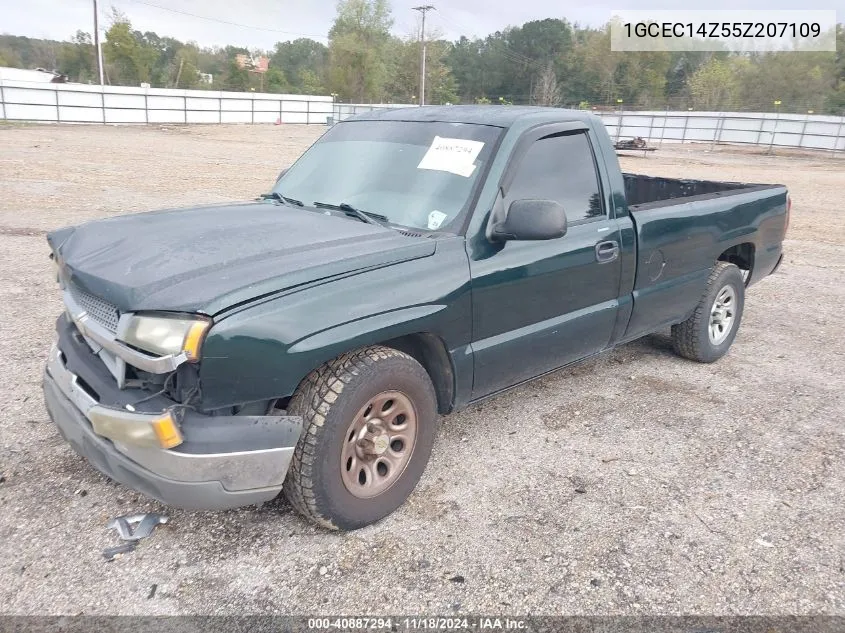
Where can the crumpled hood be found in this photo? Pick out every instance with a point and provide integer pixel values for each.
(207, 259)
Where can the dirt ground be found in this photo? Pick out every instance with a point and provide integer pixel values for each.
(708, 489)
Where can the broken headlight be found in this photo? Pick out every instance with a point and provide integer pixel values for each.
(167, 334)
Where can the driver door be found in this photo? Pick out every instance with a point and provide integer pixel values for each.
(539, 305)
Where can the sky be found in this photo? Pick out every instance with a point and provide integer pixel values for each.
(262, 23)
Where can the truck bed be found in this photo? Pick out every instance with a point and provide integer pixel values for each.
(683, 226)
(645, 192)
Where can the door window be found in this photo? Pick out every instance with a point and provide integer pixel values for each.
(560, 168)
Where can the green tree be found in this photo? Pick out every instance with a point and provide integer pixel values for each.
(642, 78)
(716, 85)
(597, 66)
(310, 83)
(77, 58)
(546, 88)
(403, 73)
(597, 74)
(214, 62)
(836, 99)
(184, 68)
(800, 81)
(536, 47)
(682, 66)
(484, 67)
(168, 56)
(402, 83)
(275, 81)
(440, 84)
(510, 63)
(236, 78)
(301, 58)
(464, 60)
(357, 44)
(130, 58)
(10, 53)
(542, 61)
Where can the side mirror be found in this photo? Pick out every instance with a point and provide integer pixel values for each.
(532, 220)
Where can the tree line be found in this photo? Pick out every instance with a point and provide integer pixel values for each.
(543, 62)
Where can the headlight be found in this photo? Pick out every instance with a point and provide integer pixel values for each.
(167, 334)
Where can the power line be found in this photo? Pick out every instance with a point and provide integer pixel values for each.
(454, 23)
(244, 26)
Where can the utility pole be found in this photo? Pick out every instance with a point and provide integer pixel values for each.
(97, 43)
(179, 74)
(423, 9)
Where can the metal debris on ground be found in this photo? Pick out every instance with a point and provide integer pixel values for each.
(637, 143)
(146, 523)
(110, 553)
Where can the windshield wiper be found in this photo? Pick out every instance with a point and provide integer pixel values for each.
(348, 209)
(275, 195)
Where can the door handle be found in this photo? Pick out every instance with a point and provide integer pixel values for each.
(607, 251)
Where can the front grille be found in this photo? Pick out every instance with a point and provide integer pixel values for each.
(100, 311)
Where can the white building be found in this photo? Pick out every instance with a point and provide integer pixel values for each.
(38, 75)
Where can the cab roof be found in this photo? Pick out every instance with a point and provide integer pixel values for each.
(495, 115)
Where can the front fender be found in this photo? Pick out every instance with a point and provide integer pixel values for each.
(264, 351)
(370, 330)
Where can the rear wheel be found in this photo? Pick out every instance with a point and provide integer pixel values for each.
(708, 334)
(370, 419)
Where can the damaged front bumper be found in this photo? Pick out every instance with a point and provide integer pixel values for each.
(223, 462)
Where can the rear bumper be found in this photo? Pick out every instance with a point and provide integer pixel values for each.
(224, 462)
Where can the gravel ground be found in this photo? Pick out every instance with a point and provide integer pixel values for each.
(637, 483)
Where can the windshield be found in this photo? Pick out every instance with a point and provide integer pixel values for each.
(416, 174)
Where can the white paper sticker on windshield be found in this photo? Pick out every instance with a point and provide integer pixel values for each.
(435, 219)
(455, 155)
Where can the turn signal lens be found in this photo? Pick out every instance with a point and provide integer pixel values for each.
(166, 431)
(193, 340)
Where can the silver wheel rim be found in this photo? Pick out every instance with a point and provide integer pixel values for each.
(378, 444)
(722, 315)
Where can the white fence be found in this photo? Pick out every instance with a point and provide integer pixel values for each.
(81, 103)
(806, 131)
(345, 110)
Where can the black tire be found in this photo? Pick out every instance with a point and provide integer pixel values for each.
(691, 339)
(328, 400)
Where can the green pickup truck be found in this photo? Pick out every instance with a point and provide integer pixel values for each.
(410, 263)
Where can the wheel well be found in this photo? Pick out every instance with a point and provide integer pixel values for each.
(742, 256)
(430, 352)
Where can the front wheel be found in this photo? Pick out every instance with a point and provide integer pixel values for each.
(708, 334)
(370, 419)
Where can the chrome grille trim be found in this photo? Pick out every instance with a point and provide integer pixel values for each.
(99, 310)
(93, 330)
